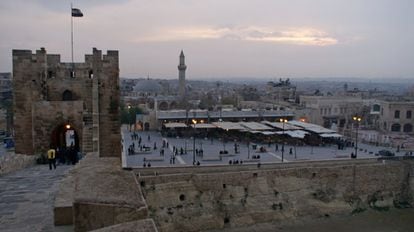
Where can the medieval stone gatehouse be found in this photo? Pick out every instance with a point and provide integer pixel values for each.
(66, 104)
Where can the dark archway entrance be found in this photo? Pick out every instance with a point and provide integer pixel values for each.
(147, 126)
(63, 136)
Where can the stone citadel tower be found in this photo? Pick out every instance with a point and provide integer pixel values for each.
(63, 104)
(181, 76)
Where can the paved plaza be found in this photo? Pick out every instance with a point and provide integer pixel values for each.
(271, 153)
(26, 199)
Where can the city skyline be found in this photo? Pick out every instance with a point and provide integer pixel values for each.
(263, 39)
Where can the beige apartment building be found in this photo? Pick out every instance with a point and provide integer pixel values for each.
(395, 116)
(329, 110)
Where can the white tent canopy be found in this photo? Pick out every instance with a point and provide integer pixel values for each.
(255, 126)
(228, 125)
(203, 126)
(311, 127)
(330, 135)
(279, 125)
(175, 125)
(294, 133)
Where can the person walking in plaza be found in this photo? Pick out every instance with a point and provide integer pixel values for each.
(51, 157)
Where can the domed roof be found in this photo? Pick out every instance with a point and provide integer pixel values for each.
(148, 86)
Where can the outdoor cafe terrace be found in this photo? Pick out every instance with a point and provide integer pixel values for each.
(293, 129)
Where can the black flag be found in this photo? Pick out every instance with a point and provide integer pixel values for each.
(76, 12)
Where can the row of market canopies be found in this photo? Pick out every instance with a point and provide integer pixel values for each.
(294, 129)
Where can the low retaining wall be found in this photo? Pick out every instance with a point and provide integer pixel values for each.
(97, 193)
(217, 200)
(11, 162)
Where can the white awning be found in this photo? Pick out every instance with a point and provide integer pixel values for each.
(203, 125)
(294, 134)
(332, 135)
(255, 126)
(268, 132)
(311, 127)
(279, 125)
(175, 125)
(228, 125)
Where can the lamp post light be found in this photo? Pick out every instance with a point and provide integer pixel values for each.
(129, 117)
(248, 149)
(357, 120)
(194, 128)
(185, 146)
(283, 121)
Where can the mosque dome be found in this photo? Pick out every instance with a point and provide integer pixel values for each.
(148, 86)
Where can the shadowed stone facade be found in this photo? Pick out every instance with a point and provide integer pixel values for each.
(217, 198)
(49, 94)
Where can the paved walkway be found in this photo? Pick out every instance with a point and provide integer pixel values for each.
(213, 146)
(27, 197)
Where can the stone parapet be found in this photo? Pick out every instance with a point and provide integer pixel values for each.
(11, 162)
(216, 200)
(98, 193)
(145, 225)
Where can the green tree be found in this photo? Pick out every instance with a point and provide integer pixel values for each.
(128, 114)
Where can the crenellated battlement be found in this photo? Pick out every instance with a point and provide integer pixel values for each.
(43, 86)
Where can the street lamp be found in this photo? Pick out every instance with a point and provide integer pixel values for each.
(129, 118)
(194, 127)
(248, 149)
(283, 121)
(357, 120)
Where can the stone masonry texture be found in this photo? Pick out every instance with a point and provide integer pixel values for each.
(47, 95)
(209, 199)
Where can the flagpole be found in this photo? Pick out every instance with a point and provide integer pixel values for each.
(71, 31)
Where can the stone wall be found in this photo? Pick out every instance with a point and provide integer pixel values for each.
(201, 201)
(97, 193)
(12, 162)
(49, 92)
(109, 99)
(49, 114)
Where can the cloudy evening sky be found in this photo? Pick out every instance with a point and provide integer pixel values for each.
(222, 38)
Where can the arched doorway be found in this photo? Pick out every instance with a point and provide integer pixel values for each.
(408, 128)
(67, 96)
(64, 136)
(163, 106)
(396, 127)
(146, 126)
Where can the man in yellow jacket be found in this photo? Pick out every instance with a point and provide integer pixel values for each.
(51, 156)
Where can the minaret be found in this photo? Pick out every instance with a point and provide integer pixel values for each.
(181, 75)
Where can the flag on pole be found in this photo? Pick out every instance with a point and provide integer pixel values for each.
(76, 12)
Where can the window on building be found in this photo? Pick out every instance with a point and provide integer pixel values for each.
(396, 127)
(385, 126)
(376, 108)
(408, 115)
(67, 95)
(397, 114)
(321, 111)
(50, 74)
(408, 128)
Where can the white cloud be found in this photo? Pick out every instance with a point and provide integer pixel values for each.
(298, 36)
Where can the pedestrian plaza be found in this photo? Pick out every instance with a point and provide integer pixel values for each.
(187, 151)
